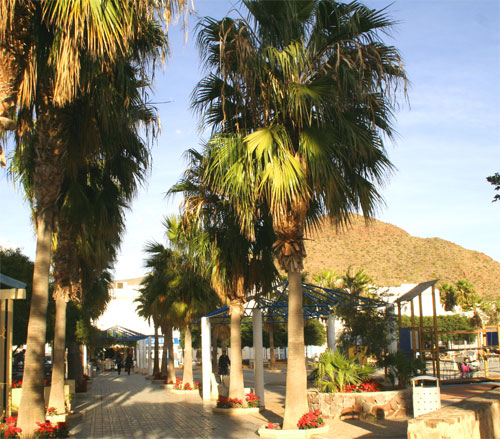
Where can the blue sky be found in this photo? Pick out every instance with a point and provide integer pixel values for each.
(448, 138)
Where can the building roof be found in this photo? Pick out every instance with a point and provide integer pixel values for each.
(123, 334)
(11, 282)
(414, 292)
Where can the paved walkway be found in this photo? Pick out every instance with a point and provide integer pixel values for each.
(130, 406)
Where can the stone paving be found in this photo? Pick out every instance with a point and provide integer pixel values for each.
(130, 406)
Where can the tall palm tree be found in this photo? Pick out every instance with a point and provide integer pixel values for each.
(300, 98)
(51, 149)
(145, 310)
(237, 264)
(94, 196)
(96, 187)
(194, 296)
(158, 262)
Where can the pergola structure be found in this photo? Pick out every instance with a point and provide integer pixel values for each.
(417, 332)
(16, 290)
(121, 334)
(272, 307)
(424, 341)
(317, 302)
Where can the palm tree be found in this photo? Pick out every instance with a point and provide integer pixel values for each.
(51, 149)
(90, 216)
(95, 191)
(237, 265)
(299, 97)
(194, 296)
(155, 290)
(145, 310)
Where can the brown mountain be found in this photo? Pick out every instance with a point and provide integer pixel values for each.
(391, 256)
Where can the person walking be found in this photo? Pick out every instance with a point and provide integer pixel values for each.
(129, 362)
(224, 362)
(119, 363)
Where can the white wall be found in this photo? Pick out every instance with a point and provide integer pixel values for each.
(121, 309)
(392, 293)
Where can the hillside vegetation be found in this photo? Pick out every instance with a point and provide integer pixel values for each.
(392, 257)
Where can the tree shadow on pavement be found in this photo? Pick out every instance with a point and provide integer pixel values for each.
(357, 428)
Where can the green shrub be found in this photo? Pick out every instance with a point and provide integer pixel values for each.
(402, 367)
(335, 371)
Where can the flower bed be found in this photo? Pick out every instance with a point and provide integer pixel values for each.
(309, 425)
(160, 378)
(46, 430)
(310, 420)
(180, 388)
(381, 405)
(235, 406)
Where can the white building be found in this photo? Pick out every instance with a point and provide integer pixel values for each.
(391, 294)
(121, 311)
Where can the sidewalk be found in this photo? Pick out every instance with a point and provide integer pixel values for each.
(130, 406)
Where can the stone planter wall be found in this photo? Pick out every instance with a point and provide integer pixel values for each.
(382, 405)
(473, 418)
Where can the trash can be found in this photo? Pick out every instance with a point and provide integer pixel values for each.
(426, 394)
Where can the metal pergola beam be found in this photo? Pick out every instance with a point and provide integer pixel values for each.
(322, 301)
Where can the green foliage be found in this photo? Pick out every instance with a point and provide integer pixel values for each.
(314, 334)
(448, 323)
(18, 266)
(327, 279)
(369, 327)
(491, 307)
(461, 293)
(495, 181)
(358, 283)
(334, 371)
(402, 367)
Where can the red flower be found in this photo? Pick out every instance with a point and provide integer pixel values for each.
(310, 420)
(272, 426)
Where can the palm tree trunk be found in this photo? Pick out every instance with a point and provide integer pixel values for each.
(57, 397)
(272, 359)
(75, 369)
(32, 406)
(187, 376)
(171, 365)
(236, 381)
(296, 376)
(164, 357)
(156, 358)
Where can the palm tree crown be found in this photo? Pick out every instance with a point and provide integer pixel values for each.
(300, 96)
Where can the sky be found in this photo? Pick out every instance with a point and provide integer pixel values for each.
(447, 143)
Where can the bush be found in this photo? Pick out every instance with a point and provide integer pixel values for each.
(336, 373)
(402, 367)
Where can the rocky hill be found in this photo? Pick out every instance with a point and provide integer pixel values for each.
(391, 256)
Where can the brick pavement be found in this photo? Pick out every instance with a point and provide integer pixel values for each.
(129, 406)
(134, 407)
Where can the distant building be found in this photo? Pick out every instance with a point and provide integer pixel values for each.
(121, 310)
(390, 294)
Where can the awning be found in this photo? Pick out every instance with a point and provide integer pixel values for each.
(119, 333)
